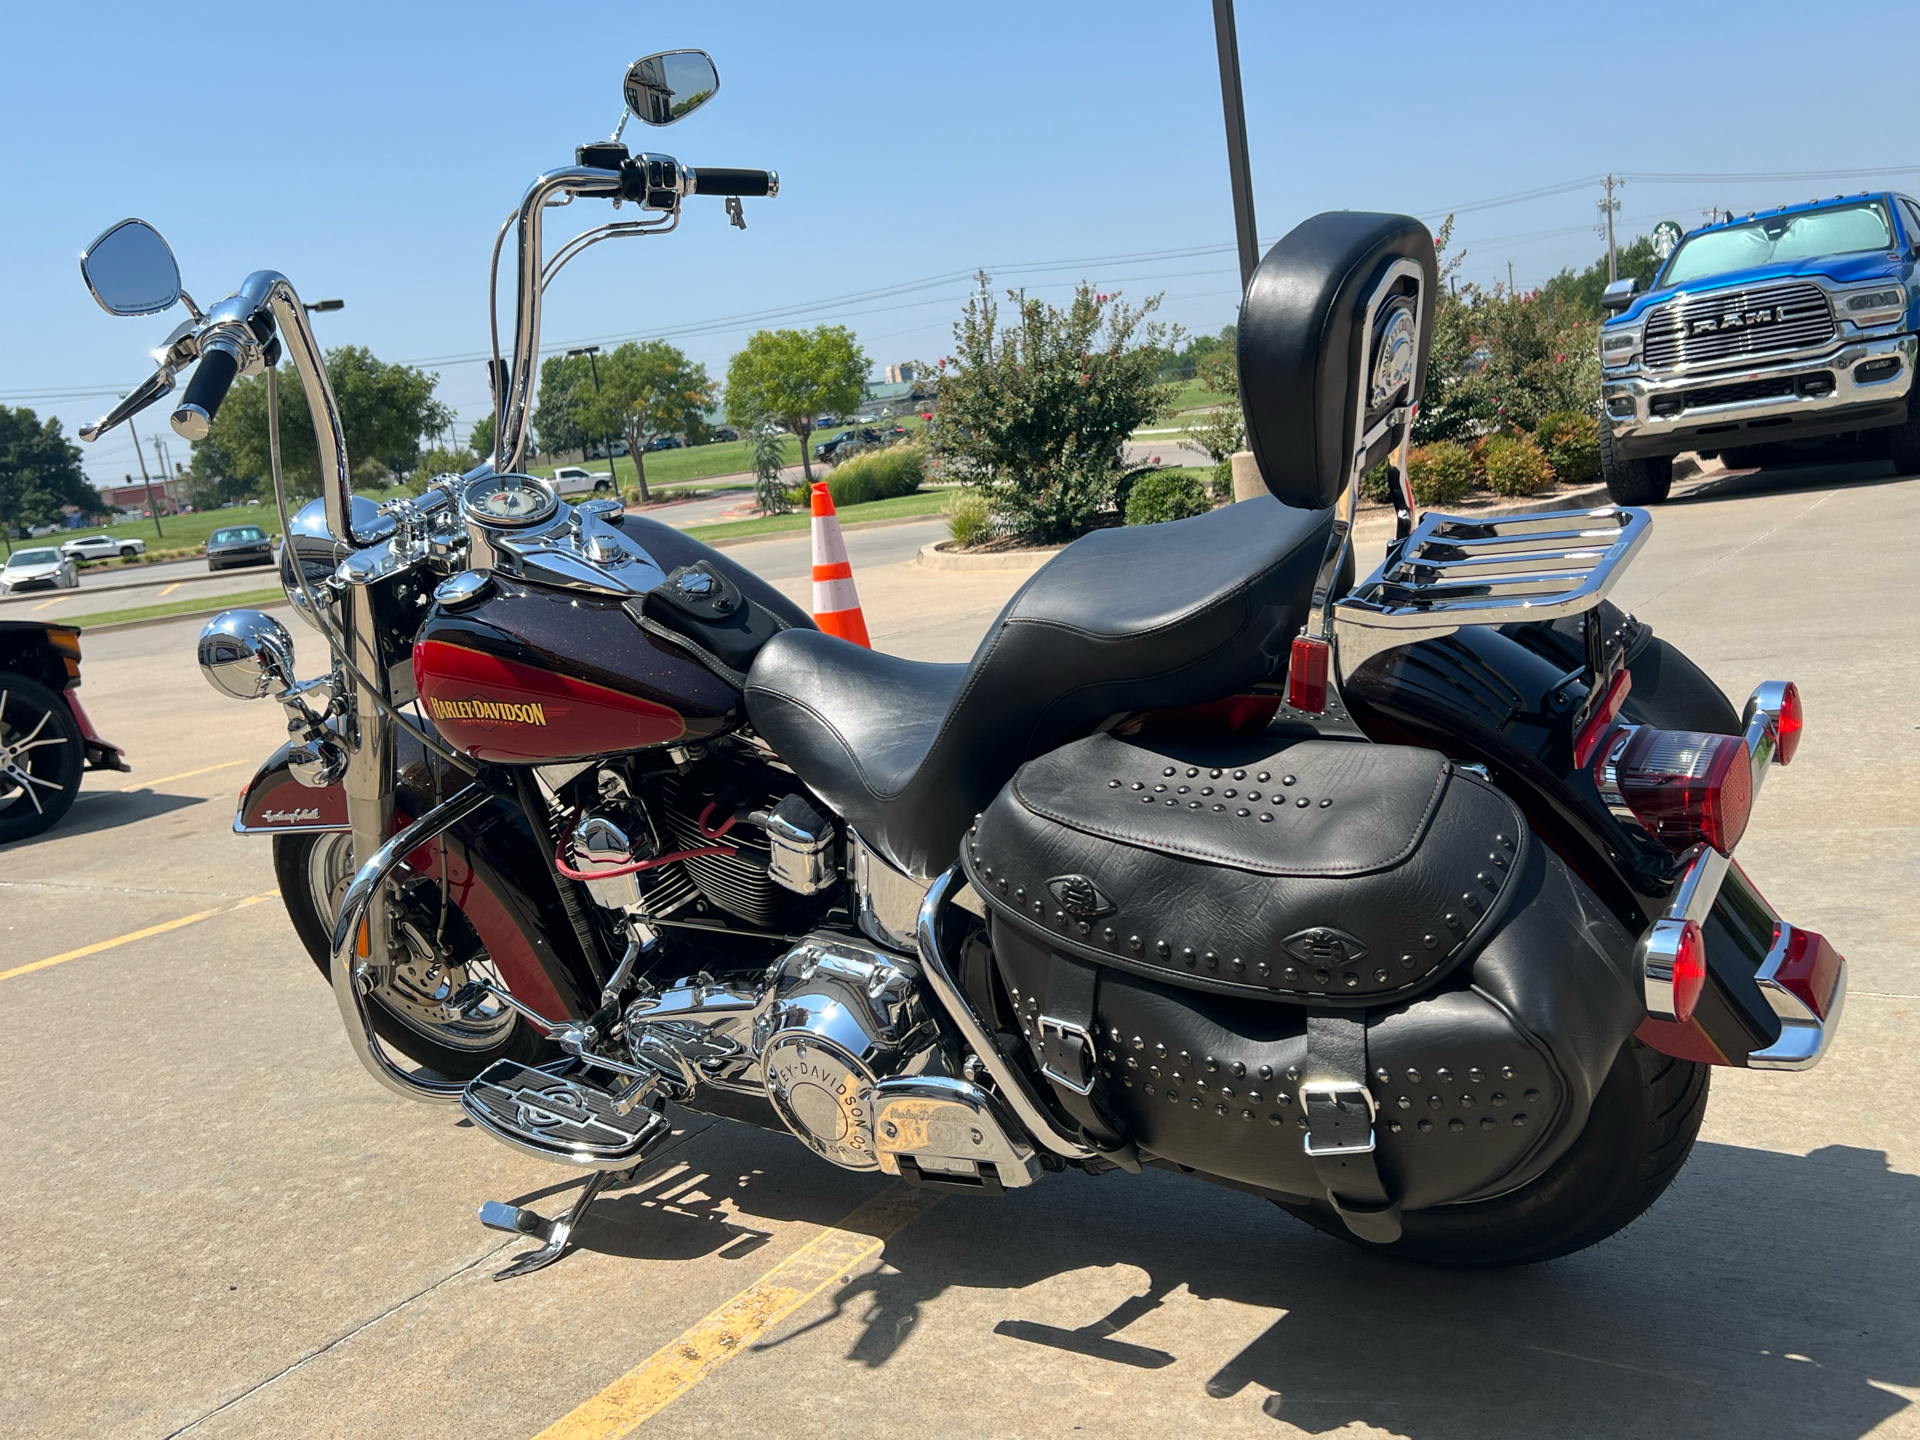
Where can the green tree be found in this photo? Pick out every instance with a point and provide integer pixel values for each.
(39, 474)
(566, 396)
(1034, 414)
(480, 441)
(1582, 292)
(647, 389)
(794, 375)
(1220, 433)
(386, 411)
(769, 454)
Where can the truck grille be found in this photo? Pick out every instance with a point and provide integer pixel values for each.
(1736, 324)
(1735, 394)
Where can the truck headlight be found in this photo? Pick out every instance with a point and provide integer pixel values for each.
(1616, 348)
(1876, 307)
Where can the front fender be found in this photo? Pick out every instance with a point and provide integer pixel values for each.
(274, 803)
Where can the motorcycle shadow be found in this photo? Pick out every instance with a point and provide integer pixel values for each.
(97, 810)
(1767, 1294)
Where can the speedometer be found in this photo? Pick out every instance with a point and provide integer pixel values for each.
(509, 501)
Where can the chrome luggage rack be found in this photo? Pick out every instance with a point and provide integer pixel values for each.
(1453, 570)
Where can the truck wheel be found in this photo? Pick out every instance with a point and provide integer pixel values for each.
(1639, 1133)
(41, 757)
(1904, 440)
(1633, 482)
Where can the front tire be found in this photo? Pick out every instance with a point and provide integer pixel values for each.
(1904, 440)
(1639, 1133)
(1633, 482)
(314, 872)
(42, 757)
(127, 552)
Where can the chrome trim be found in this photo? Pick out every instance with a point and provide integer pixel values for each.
(1455, 570)
(1090, 1048)
(954, 1123)
(1837, 360)
(1804, 1036)
(1334, 1091)
(1012, 1082)
(1671, 323)
(353, 977)
(887, 900)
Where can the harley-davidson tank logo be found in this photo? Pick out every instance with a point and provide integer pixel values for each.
(1322, 945)
(480, 711)
(288, 817)
(1079, 897)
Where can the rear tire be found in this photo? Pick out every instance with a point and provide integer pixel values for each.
(1904, 440)
(1639, 1133)
(1633, 482)
(307, 865)
(39, 779)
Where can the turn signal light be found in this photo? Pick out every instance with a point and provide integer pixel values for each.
(1792, 721)
(1686, 786)
(1689, 971)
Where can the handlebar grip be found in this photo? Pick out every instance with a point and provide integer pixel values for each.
(712, 180)
(194, 415)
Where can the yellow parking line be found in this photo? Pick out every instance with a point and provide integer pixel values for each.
(169, 589)
(185, 775)
(45, 603)
(128, 939)
(679, 1365)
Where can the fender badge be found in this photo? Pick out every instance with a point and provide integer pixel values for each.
(1080, 897)
(1323, 945)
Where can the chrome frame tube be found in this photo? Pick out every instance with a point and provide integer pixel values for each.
(354, 974)
(1014, 1089)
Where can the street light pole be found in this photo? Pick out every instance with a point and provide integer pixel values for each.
(153, 506)
(1228, 42)
(592, 352)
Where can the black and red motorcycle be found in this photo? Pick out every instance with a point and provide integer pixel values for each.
(1408, 902)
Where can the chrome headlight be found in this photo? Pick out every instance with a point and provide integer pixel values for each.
(1876, 307)
(1617, 347)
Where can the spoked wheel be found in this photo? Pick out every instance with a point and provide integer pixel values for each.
(41, 757)
(439, 953)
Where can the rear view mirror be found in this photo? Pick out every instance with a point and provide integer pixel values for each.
(130, 270)
(669, 86)
(246, 654)
(1619, 295)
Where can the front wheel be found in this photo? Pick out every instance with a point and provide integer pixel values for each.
(441, 952)
(1904, 440)
(127, 552)
(1633, 482)
(1639, 1133)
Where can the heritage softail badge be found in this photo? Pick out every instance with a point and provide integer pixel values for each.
(488, 712)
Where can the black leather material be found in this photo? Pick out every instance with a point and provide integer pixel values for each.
(1302, 345)
(1334, 872)
(1122, 620)
(1480, 1085)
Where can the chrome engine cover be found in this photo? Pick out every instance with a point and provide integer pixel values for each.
(847, 1017)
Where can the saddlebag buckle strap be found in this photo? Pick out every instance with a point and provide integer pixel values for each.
(1067, 1054)
(1340, 1116)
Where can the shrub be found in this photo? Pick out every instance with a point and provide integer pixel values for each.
(877, 475)
(1440, 473)
(969, 518)
(1170, 494)
(1571, 439)
(1373, 485)
(1515, 465)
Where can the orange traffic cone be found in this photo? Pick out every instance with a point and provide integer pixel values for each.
(836, 605)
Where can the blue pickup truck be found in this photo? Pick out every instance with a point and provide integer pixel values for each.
(1792, 325)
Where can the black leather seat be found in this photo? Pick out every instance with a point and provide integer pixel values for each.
(1121, 620)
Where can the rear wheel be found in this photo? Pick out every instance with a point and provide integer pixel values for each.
(1904, 440)
(1633, 482)
(409, 1011)
(42, 757)
(1639, 1133)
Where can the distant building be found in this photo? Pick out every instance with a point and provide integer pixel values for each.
(900, 374)
(166, 496)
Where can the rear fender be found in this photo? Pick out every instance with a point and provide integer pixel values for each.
(495, 869)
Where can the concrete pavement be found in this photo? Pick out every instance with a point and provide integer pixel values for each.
(223, 1226)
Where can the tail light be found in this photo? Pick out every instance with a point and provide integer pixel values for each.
(1676, 969)
(1307, 674)
(1685, 786)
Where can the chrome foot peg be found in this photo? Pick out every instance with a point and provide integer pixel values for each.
(553, 1234)
(560, 1115)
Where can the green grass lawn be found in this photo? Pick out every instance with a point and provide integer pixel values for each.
(205, 605)
(703, 462)
(1194, 395)
(924, 502)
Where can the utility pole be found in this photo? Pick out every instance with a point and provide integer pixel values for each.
(153, 506)
(1509, 277)
(1236, 117)
(1610, 207)
(592, 352)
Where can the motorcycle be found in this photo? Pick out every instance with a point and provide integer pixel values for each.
(1408, 902)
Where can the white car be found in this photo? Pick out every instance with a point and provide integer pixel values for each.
(38, 570)
(103, 547)
(573, 480)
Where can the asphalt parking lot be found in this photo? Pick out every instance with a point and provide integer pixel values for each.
(223, 1227)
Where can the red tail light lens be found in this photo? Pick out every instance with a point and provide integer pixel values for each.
(1792, 721)
(1687, 786)
(1689, 972)
(1307, 675)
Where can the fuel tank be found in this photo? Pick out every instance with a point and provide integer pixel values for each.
(531, 675)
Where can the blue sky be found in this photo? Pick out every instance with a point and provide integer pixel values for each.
(369, 151)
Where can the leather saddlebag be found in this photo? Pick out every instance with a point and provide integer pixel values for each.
(1197, 939)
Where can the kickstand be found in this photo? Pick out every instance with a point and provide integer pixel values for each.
(554, 1234)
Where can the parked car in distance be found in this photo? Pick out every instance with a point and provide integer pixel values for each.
(1762, 334)
(232, 546)
(103, 547)
(723, 434)
(665, 442)
(577, 480)
(38, 570)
